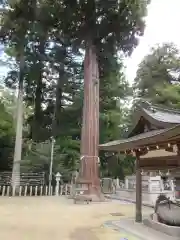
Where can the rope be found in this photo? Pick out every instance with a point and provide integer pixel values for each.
(88, 156)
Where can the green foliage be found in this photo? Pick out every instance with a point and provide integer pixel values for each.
(117, 165)
(6, 122)
(158, 76)
(168, 96)
(65, 157)
(7, 135)
(104, 22)
(51, 35)
(157, 69)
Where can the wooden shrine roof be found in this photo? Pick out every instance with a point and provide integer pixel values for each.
(162, 115)
(153, 125)
(153, 117)
(153, 137)
(154, 128)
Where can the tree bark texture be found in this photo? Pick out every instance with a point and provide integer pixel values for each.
(15, 181)
(90, 127)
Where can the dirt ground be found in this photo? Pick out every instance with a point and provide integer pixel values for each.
(56, 218)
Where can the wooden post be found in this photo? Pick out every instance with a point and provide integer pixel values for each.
(138, 191)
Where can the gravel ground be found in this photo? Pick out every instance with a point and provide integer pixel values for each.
(57, 218)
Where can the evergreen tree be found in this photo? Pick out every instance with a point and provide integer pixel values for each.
(55, 35)
(157, 77)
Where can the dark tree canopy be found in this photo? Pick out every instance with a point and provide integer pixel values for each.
(52, 37)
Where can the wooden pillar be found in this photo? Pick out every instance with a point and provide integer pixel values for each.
(138, 191)
(178, 153)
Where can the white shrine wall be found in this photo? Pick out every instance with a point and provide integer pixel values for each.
(152, 187)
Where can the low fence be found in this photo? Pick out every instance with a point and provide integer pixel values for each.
(32, 184)
(26, 190)
(30, 178)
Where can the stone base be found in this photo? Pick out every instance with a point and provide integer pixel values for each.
(138, 230)
(96, 198)
(152, 222)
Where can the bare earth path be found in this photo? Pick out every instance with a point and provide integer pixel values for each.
(56, 218)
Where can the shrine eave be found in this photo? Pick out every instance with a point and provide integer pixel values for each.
(146, 139)
(155, 115)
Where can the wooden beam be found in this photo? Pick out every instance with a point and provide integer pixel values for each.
(138, 191)
(159, 162)
(151, 168)
(160, 159)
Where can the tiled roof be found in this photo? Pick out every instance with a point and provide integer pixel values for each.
(163, 115)
(167, 120)
(158, 117)
(144, 139)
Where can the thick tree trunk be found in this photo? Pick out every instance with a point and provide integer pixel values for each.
(37, 122)
(90, 128)
(19, 129)
(58, 104)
